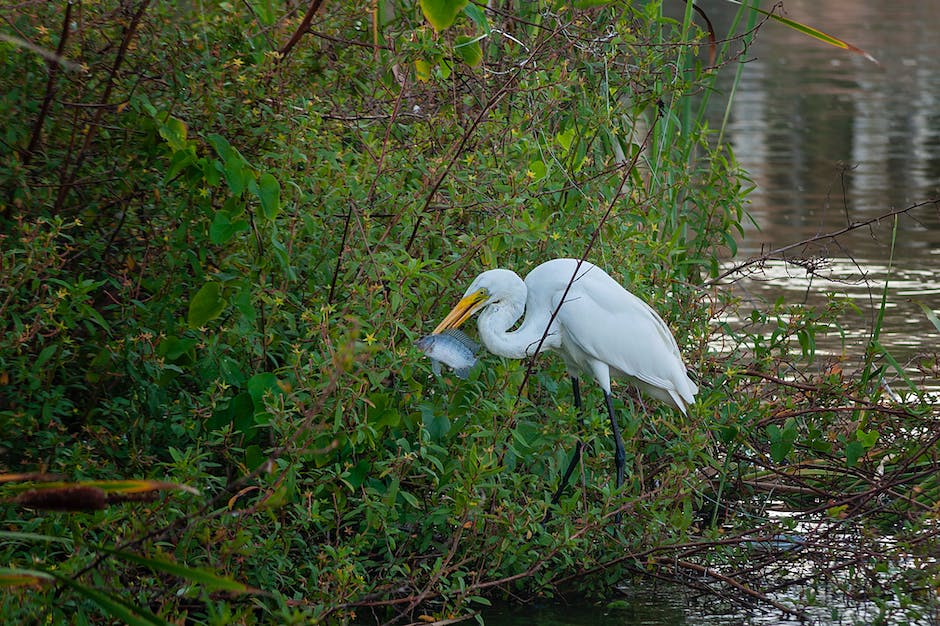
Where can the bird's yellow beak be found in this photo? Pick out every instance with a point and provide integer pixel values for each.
(467, 306)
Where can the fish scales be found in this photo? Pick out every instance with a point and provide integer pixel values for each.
(451, 347)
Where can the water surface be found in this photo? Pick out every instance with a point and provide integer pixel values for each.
(831, 139)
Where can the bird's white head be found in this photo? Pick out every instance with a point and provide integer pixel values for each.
(497, 287)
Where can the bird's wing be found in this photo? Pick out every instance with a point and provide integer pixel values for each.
(606, 322)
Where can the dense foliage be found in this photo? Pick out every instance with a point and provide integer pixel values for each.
(222, 227)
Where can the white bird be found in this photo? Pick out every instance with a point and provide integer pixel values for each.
(601, 329)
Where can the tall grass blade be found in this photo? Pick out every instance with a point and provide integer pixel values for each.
(114, 606)
(11, 536)
(894, 363)
(810, 31)
(192, 574)
(15, 577)
(874, 347)
(107, 486)
(930, 315)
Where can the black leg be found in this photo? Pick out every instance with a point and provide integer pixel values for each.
(576, 457)
(576, 392)
(620, 454)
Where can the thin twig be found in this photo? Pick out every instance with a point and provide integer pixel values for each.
(67, 179)
(711, 573)
(50, 85)
(777, 253)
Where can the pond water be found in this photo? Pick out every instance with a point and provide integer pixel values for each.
(829, 139)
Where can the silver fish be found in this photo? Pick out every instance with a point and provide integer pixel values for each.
(451, 347)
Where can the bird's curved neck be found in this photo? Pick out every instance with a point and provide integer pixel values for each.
(494, 324)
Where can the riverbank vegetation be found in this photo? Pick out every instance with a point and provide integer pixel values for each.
(223, 225)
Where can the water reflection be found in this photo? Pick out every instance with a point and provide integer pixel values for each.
(831, 139)
(653, 605)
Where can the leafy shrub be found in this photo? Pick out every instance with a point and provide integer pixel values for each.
(218, 249)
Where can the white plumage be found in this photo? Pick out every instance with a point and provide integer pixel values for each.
(601, 329)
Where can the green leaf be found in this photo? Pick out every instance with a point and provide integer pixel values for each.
(206, 305)
(445, 68)
(468, 49)
(223, 228)
(172, 348)
(422, 70)
(269, 191)
(442, 13)
(436, 424)
(254, 456)
(538, 170)
(180, 160)
(260, 385)
(853, 452)
(476, 14)
(233, 166)
(44, 356)
(222, 147)
(197, 575)
(779, 450)
(173, 132)
(358, 474)
(211, 171)
(894, 363)
(781, 440)
(565, 138)
(867, 439)
(240, 413)
(410, 499)
(245, 303)
(237, 175)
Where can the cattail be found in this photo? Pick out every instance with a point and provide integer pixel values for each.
(72, 498)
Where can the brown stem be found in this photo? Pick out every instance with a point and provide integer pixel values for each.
(304, 25)
(50, 87)
(69, 174)
(371, 196)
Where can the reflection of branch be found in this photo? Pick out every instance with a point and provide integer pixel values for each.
(834, 235)
(710, 572)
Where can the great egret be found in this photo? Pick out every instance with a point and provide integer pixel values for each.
(601, 329)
